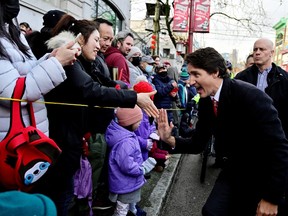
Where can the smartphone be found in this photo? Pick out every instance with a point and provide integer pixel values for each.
(77, 37)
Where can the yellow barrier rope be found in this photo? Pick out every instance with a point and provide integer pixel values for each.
(64, 104)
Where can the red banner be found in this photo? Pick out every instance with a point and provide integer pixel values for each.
(181, 16)
(201, 16)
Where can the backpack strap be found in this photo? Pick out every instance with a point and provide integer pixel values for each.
(16, 114)
(16, 121)
(31, 114)
(15, 136)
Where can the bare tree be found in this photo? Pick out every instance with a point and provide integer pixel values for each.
(241, 14)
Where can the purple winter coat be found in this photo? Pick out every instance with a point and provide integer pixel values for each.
(125, 159)
(143, 132)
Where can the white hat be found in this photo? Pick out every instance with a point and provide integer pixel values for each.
(133, 51)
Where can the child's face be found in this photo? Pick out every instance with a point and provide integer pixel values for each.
(136, 125)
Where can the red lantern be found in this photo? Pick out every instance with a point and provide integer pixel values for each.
(153, 41)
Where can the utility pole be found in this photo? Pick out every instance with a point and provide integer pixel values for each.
(156, 23)
(191, 20)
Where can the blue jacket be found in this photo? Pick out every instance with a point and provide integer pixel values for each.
(125, 159)
(163, 85)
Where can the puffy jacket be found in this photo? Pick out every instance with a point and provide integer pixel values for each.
(41, 76)
(125, 159)
(143, 132)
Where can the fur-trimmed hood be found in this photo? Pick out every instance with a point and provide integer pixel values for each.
(61, 39)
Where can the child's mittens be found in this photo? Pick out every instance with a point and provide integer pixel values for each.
(148, 165)
(149, 144)
(168, 156)
(154, 136)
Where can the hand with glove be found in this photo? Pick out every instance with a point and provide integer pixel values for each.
(148, 165)
(149, 144)
(154, 136)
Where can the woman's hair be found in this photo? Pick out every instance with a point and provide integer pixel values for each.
(25, 24)
(69, 23)
(249, 56)
(13, 35)
(209, 60)
(155, 56)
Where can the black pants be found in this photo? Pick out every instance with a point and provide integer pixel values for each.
(228, 199)
(219, 200)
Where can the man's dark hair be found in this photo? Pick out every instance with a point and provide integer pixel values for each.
(102, 20)
(209, 60)
(249, 56)
(155, 56)
(121, 36)
(25, 24)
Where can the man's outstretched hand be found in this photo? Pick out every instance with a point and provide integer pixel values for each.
(144, 101)
(165, 129)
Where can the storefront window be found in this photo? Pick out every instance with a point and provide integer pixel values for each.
(105, 10)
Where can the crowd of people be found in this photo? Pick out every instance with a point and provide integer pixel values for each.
(117, 114)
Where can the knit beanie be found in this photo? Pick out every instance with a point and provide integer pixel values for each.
(128, 116)
(133, 51)
(143, 87)
(51, 18)
(25, 204)
(184, 74)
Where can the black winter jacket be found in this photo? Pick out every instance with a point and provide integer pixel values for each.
(277, 89)
(67, 124)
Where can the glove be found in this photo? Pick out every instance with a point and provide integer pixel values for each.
(148, 165)
(122, 84)
(149, 144)
(154, 136)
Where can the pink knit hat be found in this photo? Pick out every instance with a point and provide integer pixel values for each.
(128, 116)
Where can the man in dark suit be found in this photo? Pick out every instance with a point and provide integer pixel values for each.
(248, 133)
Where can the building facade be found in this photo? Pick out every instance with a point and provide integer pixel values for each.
(117, 11)
(281, 43)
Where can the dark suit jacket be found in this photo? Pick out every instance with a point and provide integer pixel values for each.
(249, 133)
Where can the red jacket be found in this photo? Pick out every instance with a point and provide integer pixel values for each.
(157, 153)
(115, 59)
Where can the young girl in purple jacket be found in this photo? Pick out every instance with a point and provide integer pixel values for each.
(126, 166)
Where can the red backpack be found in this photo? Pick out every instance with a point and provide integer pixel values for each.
(26, 153)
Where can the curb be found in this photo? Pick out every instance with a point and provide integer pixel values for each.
(160, 191)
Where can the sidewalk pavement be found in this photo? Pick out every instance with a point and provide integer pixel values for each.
(155, 190)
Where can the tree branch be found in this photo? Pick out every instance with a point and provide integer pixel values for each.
(234, 18)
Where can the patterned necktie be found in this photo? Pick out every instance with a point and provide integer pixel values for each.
(215, 106)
